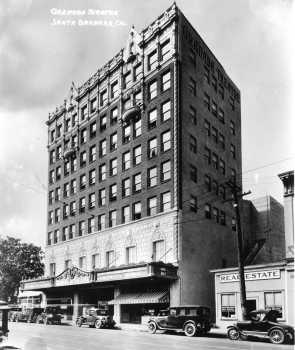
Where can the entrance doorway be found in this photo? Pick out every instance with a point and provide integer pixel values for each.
(251, 304)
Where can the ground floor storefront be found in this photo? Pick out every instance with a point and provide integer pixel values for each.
(130, 294)
(268, 286)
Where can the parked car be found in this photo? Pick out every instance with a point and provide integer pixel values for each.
(50, 315)
(27, 315)
(13, 312)
(190, 319)
(98, 318)
(263, 324)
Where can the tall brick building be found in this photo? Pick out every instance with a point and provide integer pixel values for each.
(139, 157)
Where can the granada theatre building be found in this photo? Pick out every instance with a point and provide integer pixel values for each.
(138, 159)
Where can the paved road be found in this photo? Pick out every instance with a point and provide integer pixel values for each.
(42, 337)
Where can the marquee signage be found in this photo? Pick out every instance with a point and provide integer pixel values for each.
(72, 275)
(251, 276)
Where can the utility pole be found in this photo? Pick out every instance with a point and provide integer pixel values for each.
(235, 189)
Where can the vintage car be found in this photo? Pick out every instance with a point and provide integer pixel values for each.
(27, 315)
(190, 319)
(50, 315)
(98, 318)
(264, 324)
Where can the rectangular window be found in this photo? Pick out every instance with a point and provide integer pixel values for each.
(126, 104)
(101, 197)
(68, 263)
(58, 153)
(152, 118)
(222, 218)
(55, 236)
(221, 141)
(222, 166)
(207, 101)
(158, 250)
(68, 125)
(58, 173)
(137, 128)
(72, 232)
(137, 155)
(110, 258)
(126, 187)
(165, 201)
(207, 128)
(193, 204)
(91, 201)
(215, 161)
(222, 192)
(131, 255)
(166, 141)
(113, 192)
(274, 301)
(152, 90)
(152, 177)
(166, 81)
(50, 217)
(82, 205)
(207, 211)
(82, 182)
(136, 211)
(73, 186)
(127, 80)
(125, 214)
(102, 172)
(92, 153)
(74, 120)
(152, 148)
(165, 50)
(82, 228)
(215, 214)
(101, 222)
(84, 112)
(73, 208)
(102, 148)
(57, 194)
(113, 142)
(166, 111)
(73, 164)
(207, 74)
(66, 167)
(233, 151)
(193, 144)
(228, 306)
(82, 262)
(214, 83)
(66, 190)
(152, 206)
(166, 171)
(103, 122)
(83, 159)
(214, 133)
(91, 225)
(126, 161)
(193, 57)
(221, 90)
(114, 89)
(152, 60)
(193, 115)
(103, 98)
(91, 177)
(126, 133)
(49, 239)
(112, 218)
(214, 108)
(215, 187)
(114, 116)
(137, 183)
(57, 215)
(113, 167)
(232, 128)
(50, 197)
(221, 115)
(192, 87)
(193, 173)
(58, 130)
(207, 180)
(137, 73)
(95, 259)
(83, 136)
(93, 105)
(207, 155)
(52, 157)
(52, 267)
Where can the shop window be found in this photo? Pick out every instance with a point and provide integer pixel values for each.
(274, 301)
(158, 250)
(131, 255)
(228, 306)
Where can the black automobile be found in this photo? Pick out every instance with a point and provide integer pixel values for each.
(50, 315)
(263, 324)
(190, 319)
(98, 318)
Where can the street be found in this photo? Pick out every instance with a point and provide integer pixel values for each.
(40, 337)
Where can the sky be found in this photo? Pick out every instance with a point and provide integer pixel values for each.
(39, 60)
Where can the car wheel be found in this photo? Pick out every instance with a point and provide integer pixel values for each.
(97, 324)
(233, 334)
(190, 329)
(152, 327)
(277, 336)
(79, 322)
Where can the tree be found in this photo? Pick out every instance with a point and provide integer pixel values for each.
(18, 261)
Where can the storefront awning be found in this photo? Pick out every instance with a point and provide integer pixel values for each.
(141, 298)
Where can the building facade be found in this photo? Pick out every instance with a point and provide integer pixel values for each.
(139, 159)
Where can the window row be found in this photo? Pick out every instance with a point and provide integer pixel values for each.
(211, 158)
(110, 258)
(215, 214)
(129, 185)
(212, 185)
(102, 221)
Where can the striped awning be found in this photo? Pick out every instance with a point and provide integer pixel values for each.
(141, 298)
